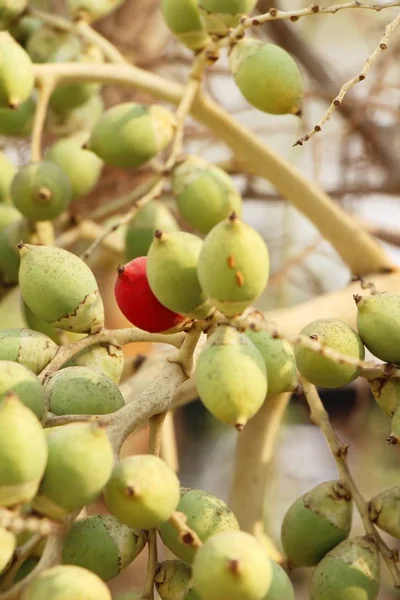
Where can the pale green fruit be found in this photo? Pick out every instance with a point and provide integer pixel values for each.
(7, 172)
(387, 394)
(93, 9)
(79, 465)
(267, 76)
(39, 325)
(18, 122)
(103, 545)
(349, 572)
(130, 134)
(82, 166)
(15, 377)
(205, 194)
(377, 323)
(23, 452)
(233, 565)
(52, 45)
(384, 511)
(81, 391)
(66, 582)
(9, 256)
(8, 214)
(281, 586)
(16, 84)
(233, 266)
(316, 522)
(27, 567)
(140, 230)
(184, 20)
(10, 10)
(173, 579)
(143, 491)
(171, 271)
(60, 289)
(7, 546)
(279, 359)
(206, 515)
(29, 348)
(231, 377)
(82, 117)
(24, 27)
(103, 358)
(192, 595)
(219, 15)
(323, 371)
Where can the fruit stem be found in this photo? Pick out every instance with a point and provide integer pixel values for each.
(45, 86)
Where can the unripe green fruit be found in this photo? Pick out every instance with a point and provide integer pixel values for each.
(83, 117)
(205, 194)
(24, 27)
(29, 348)
(206, 515)
(192, 595)
(27, 567)
(104, 358)
(349, 572)
(52, 45)
(387, 394)
(140, 230)
(16, 84)
(281, 586)
(39, 325)
(184, 20)
(384, 511)
(93, 9)
(66, 582)
(267, 76)
(231, 377)
(219, 15)
(8, 214)
(7, 172)
(103, 545)
(7, 547)
(173, 579)
(130, 134)
(23, 452)
(377, 323)
(233, 266)
(60, 289)
(233, 565)
(81, 391)
(18, 122)
(17, 378)
(316, 523)
(9, 11)
(79, 465)
(323, 371)
(279, 359)
(143, 491)
(172, 273)
(9, 255)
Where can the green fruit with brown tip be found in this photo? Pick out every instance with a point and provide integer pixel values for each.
(8, 214)
(15, 377)
(377, 322)
(316, 522)
(66, 582)
(103, 545)
(16, 84)
(30, 348)
(233, 266)
(7, 172)
(79, 464)
(83, 117)
(142, 492)
(93, 9)
(172, 579)
(231, 377)
(219, 15)
(323, 371)
(267, 76)
(140, 231)
(10, 10)
(384, 511)
(9, 255)
(130, 134)
(17, 122)
(7, 547)
(351, 571)
(103, 358)
(387, 394)
(205, 194)
(172, 273)
(184, 20)
(281, 586)
(206, 515)
(23, 452)
(234, 565)
(60, 289)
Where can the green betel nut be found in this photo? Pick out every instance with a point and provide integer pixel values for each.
(143, 491)
(9, 255)
(83, 117)
(9, 11)
(17, 122)
(387, 394)
(377, 323)
(80, 462)
(93, 9)
(130, 134)
(37, 324)
(16, 84)
(15, 377)
(30, 348)
(7, 172)
(233, 266)
(281, 586)
(66, 582)
(321, 370)
(8, 214)
(349, 572)
(60, 289)
(103, 358)
(233, 565)
(316, 523)
(81, 391)
(48, 45)
(219, 15)
(172, 579)
(183, 19)
(231, 377)
(267, 76)
(142, 227)
(23, 452)
(7, 547)
(205, 194)
(206, 515)
(103, 545)
(384, 511)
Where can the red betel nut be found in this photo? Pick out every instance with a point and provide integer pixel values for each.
(138, 303)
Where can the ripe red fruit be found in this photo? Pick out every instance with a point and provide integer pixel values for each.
(138, 303)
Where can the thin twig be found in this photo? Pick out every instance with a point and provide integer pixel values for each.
(169, 450)
(45, 87)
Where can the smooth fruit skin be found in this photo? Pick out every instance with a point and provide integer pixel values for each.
(142, 227)
(387, 394)
(172, 579)
(103, 545)
(219, 15)
(384, 511)
(18, 122)
(9, 255)
(143, 491)
(103, 358)
(206, 514)
(377, 321)
(83, 117)
(138, 303)
(7, 172)
(16, 84)
(232, 565)
(233, 266)
(7, 547)
(30, 348)
(8, 214)
(281, 586)
(205, 194)
(322, 371)
(17, 378)
(60, 289)
(23, 452)
(267, 76)
(315, 523)
(9, 11)
(66, 582)
(183, 19)
(130, 134)
(349, 572)
(37, 324)
(93, 9)
(231, 377)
